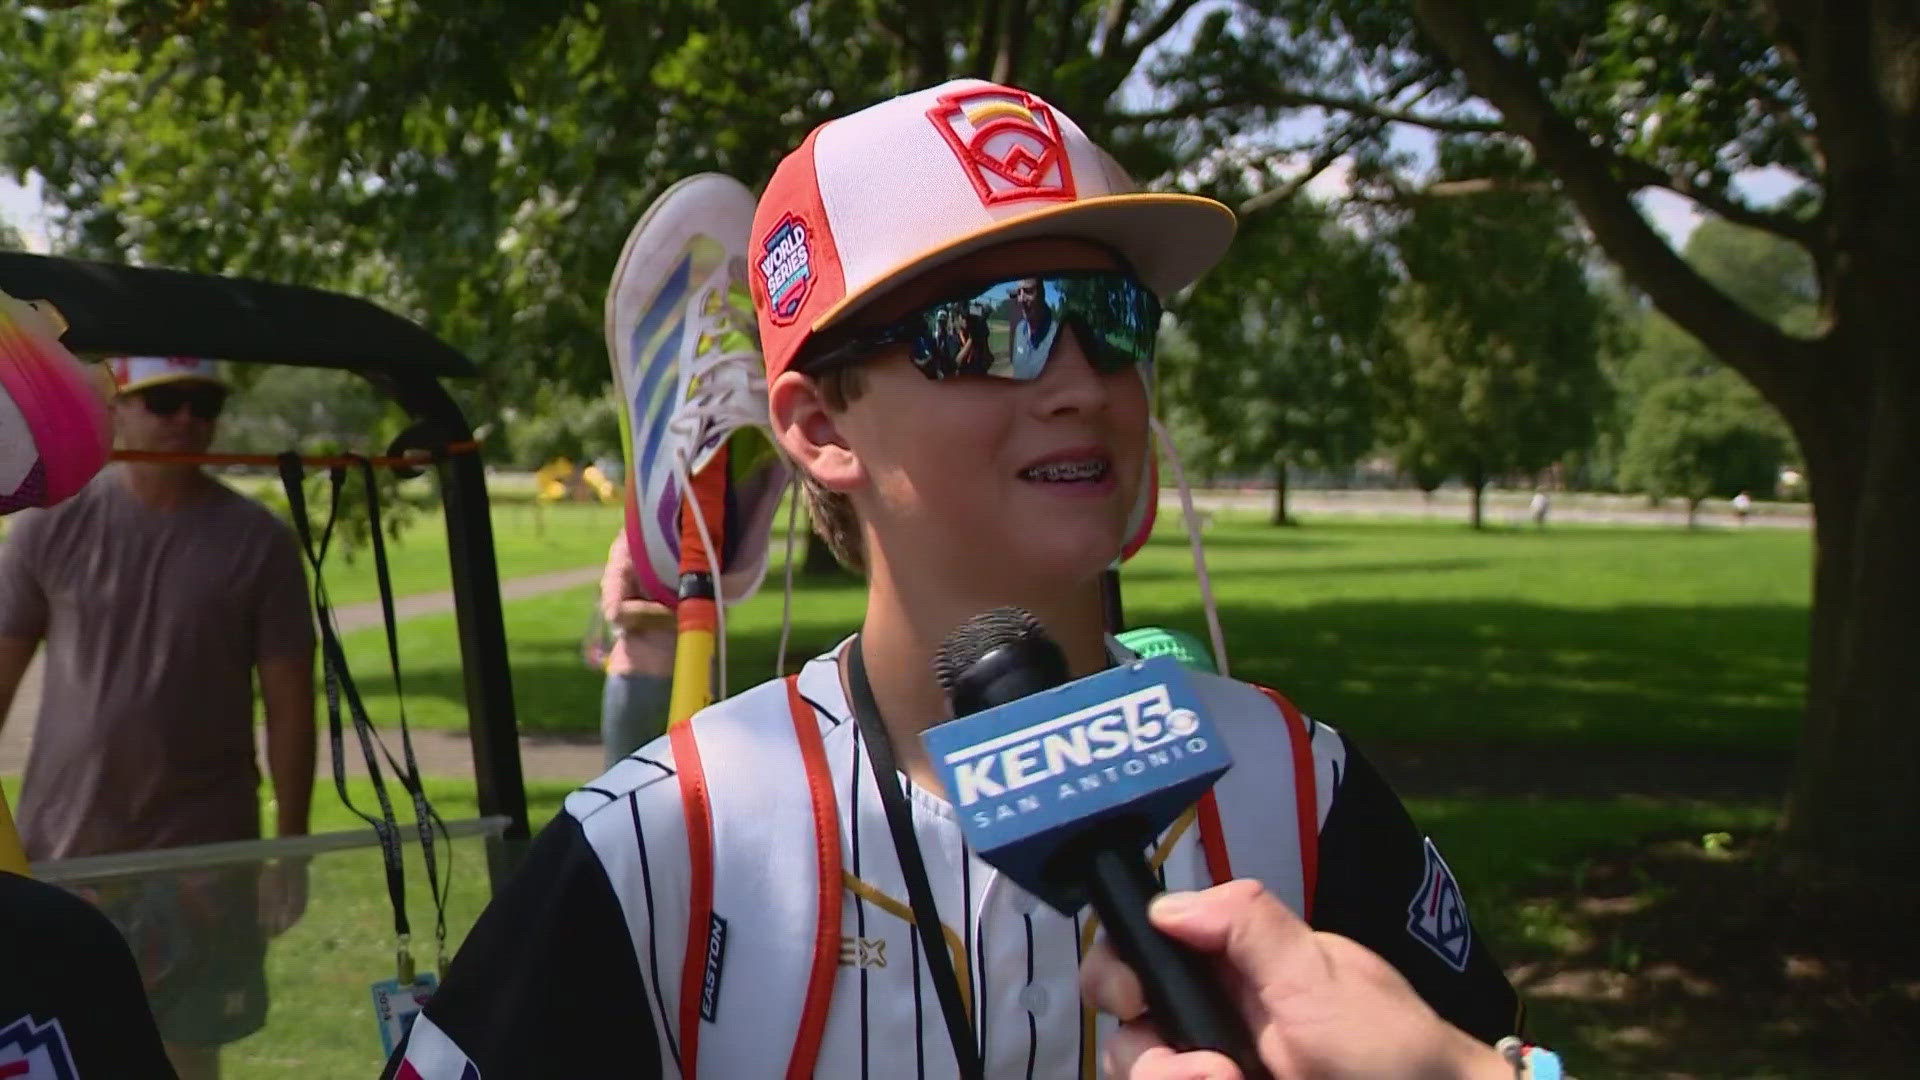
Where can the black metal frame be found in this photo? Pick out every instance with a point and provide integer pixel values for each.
(128, 310)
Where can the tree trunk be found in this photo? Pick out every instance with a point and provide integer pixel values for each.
(1476, 518)
(1693, 514)
(1854, 805)
(1280, 516)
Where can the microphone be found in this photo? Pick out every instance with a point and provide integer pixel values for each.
(1060, 785)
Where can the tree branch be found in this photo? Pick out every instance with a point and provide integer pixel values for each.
(1113, 28)
(1638, 174)
(1063, 39)
(1320, 163)
(1299, 99)
(989, 30)
(1169, 17)
(1774, 362)
(1013, 42)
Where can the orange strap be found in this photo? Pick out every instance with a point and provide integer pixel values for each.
(1305, 797)
(1213, 842)
(699, 814)
(826, 932)
(413, 459)
(826, 935)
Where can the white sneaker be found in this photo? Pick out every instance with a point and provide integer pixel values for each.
(688, 373)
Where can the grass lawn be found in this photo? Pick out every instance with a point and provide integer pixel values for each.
(1392, 631)
(527, 539)
(1633, 640)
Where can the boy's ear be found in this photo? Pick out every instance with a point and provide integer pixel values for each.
(808, 432)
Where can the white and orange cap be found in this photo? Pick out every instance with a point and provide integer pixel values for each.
(881, 195)
(134, 373)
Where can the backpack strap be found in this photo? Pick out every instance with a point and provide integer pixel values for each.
(826, 842)
(699, 816)
(1305, 798)
(749, 844)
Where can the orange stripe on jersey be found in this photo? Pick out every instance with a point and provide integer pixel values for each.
(699, 814)
(1306, 803)
(826, 835)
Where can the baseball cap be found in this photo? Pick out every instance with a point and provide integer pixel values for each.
(135, 373)
(878, 196)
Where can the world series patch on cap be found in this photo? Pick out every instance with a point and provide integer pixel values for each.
(878, 196)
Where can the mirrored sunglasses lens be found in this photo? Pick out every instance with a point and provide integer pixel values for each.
(1009, 330)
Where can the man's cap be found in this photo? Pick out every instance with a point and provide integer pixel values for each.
(879, 196)
(135, 373)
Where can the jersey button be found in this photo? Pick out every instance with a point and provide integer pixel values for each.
(1034, 998)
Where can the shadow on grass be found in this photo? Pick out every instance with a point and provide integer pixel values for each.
(1702, 955)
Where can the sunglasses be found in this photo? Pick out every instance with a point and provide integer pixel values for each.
(1008, 329)
(205, 402)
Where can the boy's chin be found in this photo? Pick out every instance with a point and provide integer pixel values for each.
(1048, 563)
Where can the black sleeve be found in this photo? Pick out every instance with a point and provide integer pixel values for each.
(71, 988)
(1383, 884)
(547, 983)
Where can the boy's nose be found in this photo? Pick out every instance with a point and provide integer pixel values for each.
(1069, 382)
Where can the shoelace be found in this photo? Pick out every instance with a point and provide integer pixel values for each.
(723, 388)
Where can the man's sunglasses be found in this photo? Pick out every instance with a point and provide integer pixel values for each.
(1008, 329)
(205, 402)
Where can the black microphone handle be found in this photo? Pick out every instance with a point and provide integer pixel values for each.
(1188, 1004)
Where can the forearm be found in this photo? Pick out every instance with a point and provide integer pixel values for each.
(288, 690)
(642, 615)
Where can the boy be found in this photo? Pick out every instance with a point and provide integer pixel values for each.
(734, 894)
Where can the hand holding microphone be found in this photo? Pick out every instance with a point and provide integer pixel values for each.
(1061, 786)
(1318, 1004)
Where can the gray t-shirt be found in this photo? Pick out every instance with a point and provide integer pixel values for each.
(153, 622)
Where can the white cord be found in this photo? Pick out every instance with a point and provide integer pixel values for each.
(786, 594)
(1193, 542)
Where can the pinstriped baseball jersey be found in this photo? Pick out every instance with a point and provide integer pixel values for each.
(603, 898)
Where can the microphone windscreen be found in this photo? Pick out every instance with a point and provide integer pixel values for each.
(980, 635)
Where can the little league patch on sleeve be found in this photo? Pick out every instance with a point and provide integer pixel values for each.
(1437, 917)
(33, 1051)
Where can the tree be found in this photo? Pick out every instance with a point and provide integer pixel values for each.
(1497, 368)
(1281, 340)
(475, 164)
(1701, 437)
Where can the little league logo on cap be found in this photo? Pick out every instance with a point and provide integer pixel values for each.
(1008, 141)
(879, 196)
(131, 373)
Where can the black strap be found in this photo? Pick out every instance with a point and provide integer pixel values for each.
(339, 684)
(425, 817)
(926, 915)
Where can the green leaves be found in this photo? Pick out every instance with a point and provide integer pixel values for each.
(1701, 436)
(1499, 331)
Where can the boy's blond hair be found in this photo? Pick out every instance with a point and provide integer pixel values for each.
(831, 512)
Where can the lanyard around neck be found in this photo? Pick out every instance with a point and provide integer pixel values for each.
(906, 844)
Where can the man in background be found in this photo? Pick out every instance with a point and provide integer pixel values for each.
(159, 592)
(1033, 329)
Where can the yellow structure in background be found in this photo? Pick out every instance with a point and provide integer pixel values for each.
(560, 480)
